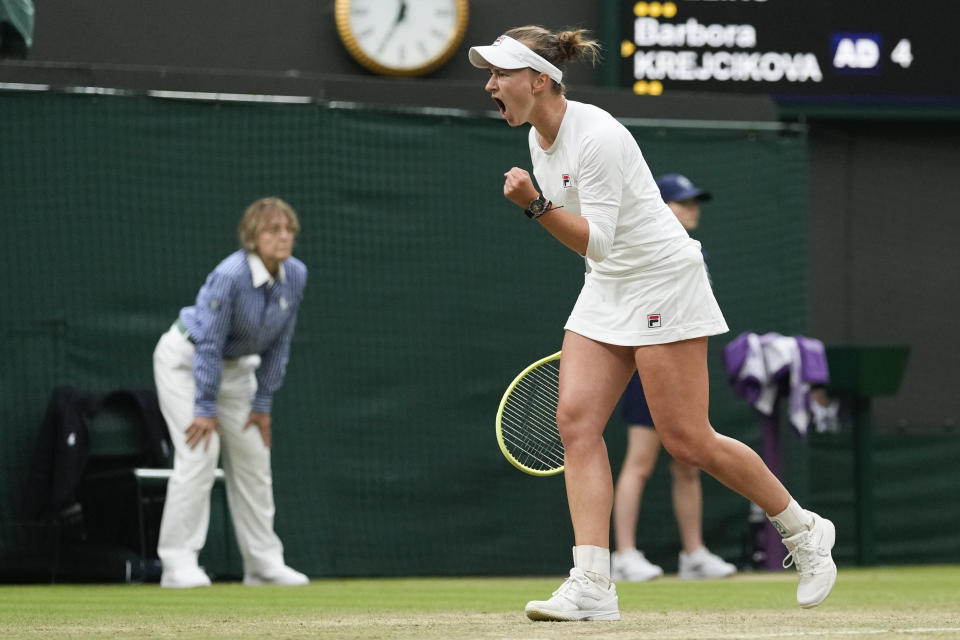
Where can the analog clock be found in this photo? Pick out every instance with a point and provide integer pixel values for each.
(401, 37)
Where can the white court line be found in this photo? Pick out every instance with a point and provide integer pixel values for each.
(832, 632)
(849, 632)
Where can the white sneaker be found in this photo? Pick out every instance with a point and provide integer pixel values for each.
(809, 551)
(703, 564)
(187, 578)
(632, 566)
(579, 598)
(283, 576)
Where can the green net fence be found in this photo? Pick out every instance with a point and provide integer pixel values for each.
(428, 292)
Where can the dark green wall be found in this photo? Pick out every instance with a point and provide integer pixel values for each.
(428, 292)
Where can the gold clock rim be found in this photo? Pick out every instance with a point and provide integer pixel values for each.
(342, 14)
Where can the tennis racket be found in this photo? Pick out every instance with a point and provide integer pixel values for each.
(527, 419)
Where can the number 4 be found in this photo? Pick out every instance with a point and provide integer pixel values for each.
(901, 54)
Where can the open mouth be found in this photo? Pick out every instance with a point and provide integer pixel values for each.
(501, 106)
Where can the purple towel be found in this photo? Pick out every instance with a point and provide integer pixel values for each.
(758, 365)
(746, 384)
(813, 361)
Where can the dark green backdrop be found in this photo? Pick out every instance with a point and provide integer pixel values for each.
(428, 292)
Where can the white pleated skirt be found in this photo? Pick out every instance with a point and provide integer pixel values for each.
(667, 302)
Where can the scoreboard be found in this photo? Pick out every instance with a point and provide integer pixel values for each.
(853, 51)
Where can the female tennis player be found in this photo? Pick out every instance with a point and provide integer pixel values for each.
(646, 304)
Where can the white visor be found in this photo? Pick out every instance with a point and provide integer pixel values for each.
(507, 53)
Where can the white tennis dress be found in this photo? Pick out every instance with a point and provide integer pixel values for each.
(645, 280)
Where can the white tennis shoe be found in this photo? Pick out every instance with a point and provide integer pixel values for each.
(632, 566)
(577, 599)
(703, 564)
(809, 551)
(186, 578)
(283, 576)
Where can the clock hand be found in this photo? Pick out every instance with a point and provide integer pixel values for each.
(401, 16)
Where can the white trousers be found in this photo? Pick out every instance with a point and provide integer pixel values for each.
(245, 461)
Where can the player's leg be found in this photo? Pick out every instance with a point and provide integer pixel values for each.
(677, 389)
(592, 378)
(643, 447)
(678, 394)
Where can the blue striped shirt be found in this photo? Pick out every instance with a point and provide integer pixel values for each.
(241, 310)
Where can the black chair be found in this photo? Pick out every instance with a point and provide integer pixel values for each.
(126, 479)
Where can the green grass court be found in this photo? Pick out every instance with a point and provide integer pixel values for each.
(919, 603)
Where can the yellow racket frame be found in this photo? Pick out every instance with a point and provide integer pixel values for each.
(503, 402)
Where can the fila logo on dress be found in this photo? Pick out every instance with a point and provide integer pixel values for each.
(653, 320)
(566, 180)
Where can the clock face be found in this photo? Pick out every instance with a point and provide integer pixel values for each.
(401, 37)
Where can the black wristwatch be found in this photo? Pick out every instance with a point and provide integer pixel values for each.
(538, 207)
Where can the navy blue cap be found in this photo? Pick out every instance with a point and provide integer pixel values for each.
(675, 187)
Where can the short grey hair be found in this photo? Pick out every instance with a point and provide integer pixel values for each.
(255, 217)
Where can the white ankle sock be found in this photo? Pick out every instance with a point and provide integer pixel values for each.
(792, 520)
(594, 562)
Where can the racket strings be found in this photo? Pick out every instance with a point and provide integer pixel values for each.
(529, 419)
